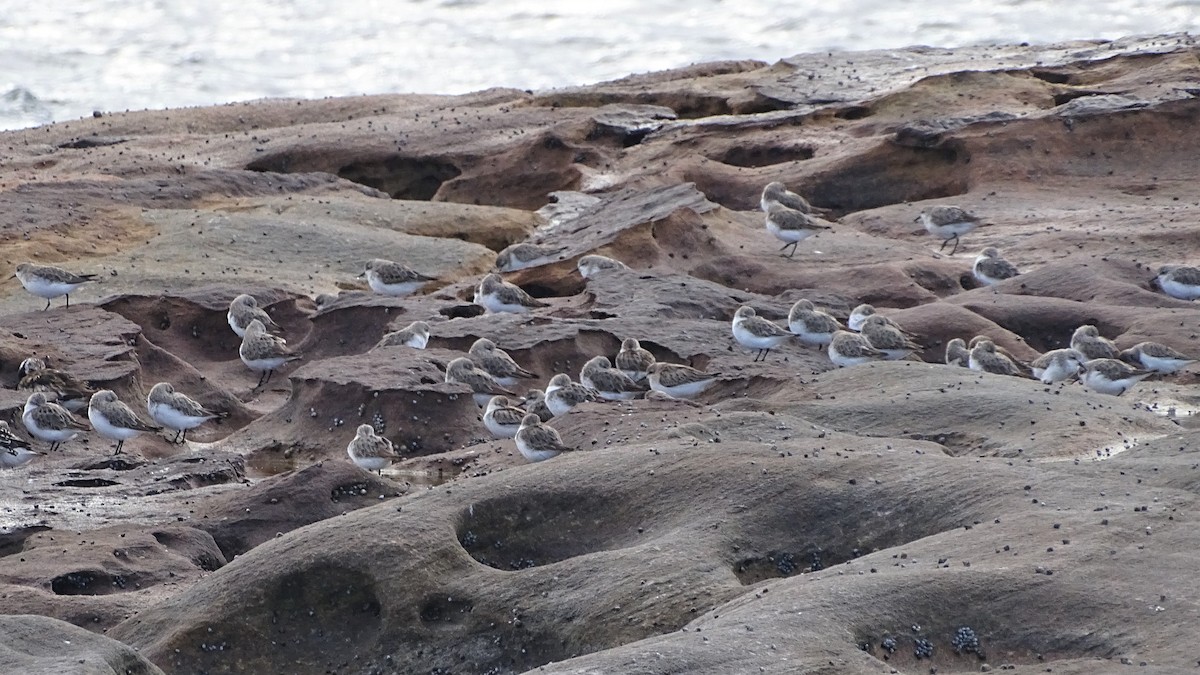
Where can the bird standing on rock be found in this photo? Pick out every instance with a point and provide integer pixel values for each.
(1087, 339)
(633, 360)
(50, 422)
(1057, 365)
(957, 353)
(851, 349)
(892, 342)
(178, 411)
(521, 256)
(986, 359)
(679, 381)
(49, 282)
(463, 370)
(415, 335)
(791, 226)
(990, 269)
(1157, 357)
(538, 442)
(114, 420)
(811, 326)
(370, 451)
(264, 352)
(591, 266)
(496, 295)
(1179, 281)
(501, 418)
(947, 222)
(392, 278)
(777, 194)
(858, 315)
(610, 383)
(14, 452)
(562, 394)
(58, 385)
(244, 309)
(497, 363)
(1112, 377)
(754, 332)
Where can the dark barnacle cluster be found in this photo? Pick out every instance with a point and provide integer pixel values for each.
(786, 564)
(889, 644)
(817, 565)
(922, 648)
(966, 641)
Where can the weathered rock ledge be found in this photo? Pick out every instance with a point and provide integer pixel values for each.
(895, 517)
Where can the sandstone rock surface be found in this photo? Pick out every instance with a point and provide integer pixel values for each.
(794, 517)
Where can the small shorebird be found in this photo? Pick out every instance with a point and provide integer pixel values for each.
(535, 402)
(538, 442)
(264, 352)
(995, 347)
(1179, 281)
(858, 315)
(497, 295)
(946, 223)
(1157, 357)
(791, 226)
(1057, 365)
(178, 411)
(633, 360)
(114, 420)
(1112, 377)
(483, 386)
(497, 363)
(754, 332)
(502, 418)
(14, 451)
(1088, 340)
(370, 451)
(521, 256)
(61, 387)
(392, 278)
(415, 335)
(851, 349)
(590, 266)
(957, 353)
(679, 381)
(49, 282)
(986, 359)
(888, 338)
(244, 309)
(562, 394)
(50, 422)
(990, 269)
(777, 194)
(811, 326)
(612, 385)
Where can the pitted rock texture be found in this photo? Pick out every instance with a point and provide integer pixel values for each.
(793, 517)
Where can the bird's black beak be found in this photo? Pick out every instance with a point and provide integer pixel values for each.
(917, 219)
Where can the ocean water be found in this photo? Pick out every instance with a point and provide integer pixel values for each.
(62, 60)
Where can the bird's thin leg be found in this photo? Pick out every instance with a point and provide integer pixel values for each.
(269, 374)
(47, 305)
(793, 244)
(119, 444)
(68, 297)
(955, 249)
